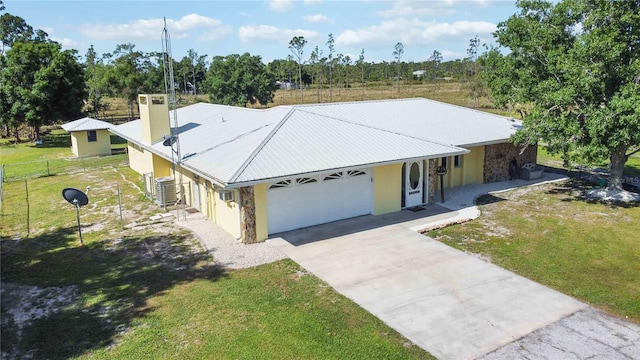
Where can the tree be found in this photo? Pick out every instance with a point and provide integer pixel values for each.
(361, 63)
(397, 54)
(578, 64)
(296, 46)
(94, 74)
(436, 59)
(40, 84)
(330, 45)
(475, 84)
(317, 64)
(238, 80)
(125, 76)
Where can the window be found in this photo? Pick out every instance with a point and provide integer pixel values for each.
(333, 176)
(301, 181)
(143, 100)
(443, 161)
(281, 184)
(457, 161)
(92, 136)
(157, 100)
(352, 173)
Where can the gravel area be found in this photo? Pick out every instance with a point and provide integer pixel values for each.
(227, 251)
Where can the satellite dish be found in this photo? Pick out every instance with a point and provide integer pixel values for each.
(75, 197)
(169, 141)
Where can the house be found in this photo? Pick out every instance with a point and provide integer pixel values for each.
(89, 137)
(419, 73)
(260, 172)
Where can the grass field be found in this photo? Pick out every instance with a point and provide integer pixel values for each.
(150, 291)
(550, 235)
(53, 157)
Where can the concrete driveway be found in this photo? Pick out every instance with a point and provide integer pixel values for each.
(452, 304)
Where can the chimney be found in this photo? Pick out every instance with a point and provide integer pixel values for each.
(154, 117)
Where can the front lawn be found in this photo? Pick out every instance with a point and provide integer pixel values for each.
(550, 235)
(151, 292)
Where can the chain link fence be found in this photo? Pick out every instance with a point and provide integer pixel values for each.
(32, 169)
(34, 206)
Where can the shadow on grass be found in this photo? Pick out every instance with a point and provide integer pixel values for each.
(111, 282)
(487, 199)
(574, 190)
(55, 141)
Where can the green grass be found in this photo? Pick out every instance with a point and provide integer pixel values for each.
(54, 156)
(586, 250)
(151, 292)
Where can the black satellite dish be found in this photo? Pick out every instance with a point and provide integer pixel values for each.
(169, 141)
(76, 198)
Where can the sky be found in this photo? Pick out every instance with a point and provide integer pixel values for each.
(265, 27)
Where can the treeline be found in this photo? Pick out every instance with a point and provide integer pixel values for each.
(41, 84)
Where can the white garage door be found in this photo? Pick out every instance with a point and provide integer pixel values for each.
(306, 201)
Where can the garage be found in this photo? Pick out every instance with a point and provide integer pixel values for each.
(306, 201)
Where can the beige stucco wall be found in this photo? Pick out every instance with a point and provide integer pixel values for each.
(81, 147)
(471, 169)
(387, 188)
(144, 162)
(262, 229)
(140, 161)
(473, 166)
(227, 214)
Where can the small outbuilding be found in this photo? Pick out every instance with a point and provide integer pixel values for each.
(89, 137)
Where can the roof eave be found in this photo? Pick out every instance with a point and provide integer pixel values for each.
(240, 184)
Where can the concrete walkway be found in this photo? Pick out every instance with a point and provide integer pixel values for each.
(452, 304)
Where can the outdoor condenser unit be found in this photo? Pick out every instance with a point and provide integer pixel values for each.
(165, 191)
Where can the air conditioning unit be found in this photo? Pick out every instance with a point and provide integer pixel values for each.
(165, 191)
(226, 195)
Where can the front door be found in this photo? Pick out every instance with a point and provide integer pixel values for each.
(413, 184)
(196, 195)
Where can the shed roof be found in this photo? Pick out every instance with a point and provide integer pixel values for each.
(237, 146)
(85, 124)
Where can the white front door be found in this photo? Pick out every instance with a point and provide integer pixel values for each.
(196, 195)
(413, 184)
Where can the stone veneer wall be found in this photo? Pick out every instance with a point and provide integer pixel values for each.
(498, 156)
(247, 215)
(433, 180)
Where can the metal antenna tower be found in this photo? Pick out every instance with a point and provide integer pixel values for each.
(170, 91)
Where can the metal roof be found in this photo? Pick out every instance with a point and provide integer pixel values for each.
(85, 124)
(234, 146)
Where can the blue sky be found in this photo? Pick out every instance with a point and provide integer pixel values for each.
(265, 27)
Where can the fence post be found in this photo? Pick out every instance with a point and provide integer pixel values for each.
(48, 173)
(26, 189)
(120, 207)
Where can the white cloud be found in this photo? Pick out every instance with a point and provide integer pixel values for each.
(448, 54)
(66, 42)
(415, 31)
(416, 8)
(150, 28)
(257, 33)
(312, 2)
(433, 7)
(280, 5)
(317, 18)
